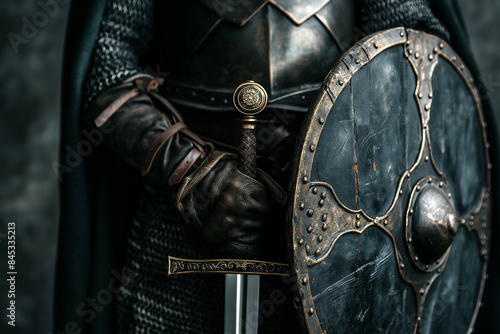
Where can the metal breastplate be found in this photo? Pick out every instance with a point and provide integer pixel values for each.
(211, 46)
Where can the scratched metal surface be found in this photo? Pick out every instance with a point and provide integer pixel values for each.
(369, 131)
(461, 159)
(357, 289)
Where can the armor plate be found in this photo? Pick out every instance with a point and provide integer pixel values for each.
(390, 218)
(285, 45)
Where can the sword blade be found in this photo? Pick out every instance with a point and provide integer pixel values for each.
(241, 308)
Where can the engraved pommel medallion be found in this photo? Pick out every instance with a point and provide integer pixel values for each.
(250, 98)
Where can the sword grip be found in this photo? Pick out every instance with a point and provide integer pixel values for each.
(247, 148)
(249, 99)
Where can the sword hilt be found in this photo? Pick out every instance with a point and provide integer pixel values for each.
(249, 99)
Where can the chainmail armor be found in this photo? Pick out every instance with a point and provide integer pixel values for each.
(379, 15)
(124, 35)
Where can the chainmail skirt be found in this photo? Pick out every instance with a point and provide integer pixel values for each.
(153, 302)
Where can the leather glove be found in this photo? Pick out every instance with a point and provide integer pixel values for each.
(146, 130)
(239, 216)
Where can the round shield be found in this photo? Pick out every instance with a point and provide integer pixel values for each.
(390, 218)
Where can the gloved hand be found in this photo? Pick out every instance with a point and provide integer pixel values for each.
(146, 130)
(240, 216)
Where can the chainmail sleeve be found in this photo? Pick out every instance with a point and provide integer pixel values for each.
(376, 15)
(124, 35)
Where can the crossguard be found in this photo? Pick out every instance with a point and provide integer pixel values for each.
(249, 99)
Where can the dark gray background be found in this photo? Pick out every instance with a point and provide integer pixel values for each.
(29, 137)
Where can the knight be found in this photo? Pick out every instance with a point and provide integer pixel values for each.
(155, 80)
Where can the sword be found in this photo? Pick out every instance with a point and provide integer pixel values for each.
(241, 308)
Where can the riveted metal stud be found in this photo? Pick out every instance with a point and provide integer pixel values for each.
(357, 60)
(302, 206)
(323, 218)
(422, 291)
(358, 216)
(301, 242)
(312, 148)
(418, 188)
(409, 240)
(401, 192)
(441, 45)
(341, 81)
(311, 311)
(441, 184)
(410, 52)
(435, 50)
(358, 224)
(321, 202)
(426, 158)
(416, 258)
(318, 252)
(429, 180)
(310, 212)
(417, 55)
(323, 195)
(430, 95)
(305, 281)
(324, 227)
(411, 212)
(315, 191)
(321, 120)
(427, 107)
(402, 34)
(420, 95)
(402, 265)
(449, 195)
(305, 179)
(309, 229)
(385, 222)
(320, 238)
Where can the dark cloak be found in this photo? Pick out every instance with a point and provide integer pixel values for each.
(98, 190)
